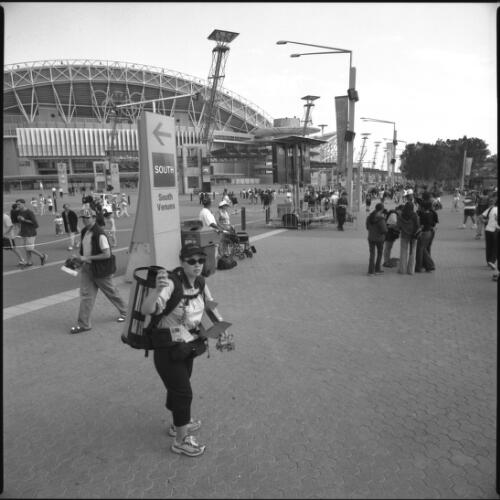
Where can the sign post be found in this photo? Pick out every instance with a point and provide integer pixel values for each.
(156, 237)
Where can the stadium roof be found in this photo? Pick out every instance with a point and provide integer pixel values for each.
(85, 89)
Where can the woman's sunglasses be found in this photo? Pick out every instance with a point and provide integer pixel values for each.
(192, 262)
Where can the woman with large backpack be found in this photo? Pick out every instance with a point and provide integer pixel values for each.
(176, 323)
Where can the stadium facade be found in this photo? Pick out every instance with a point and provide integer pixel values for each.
(61, 111)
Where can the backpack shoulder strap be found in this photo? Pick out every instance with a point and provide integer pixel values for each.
(178, 278)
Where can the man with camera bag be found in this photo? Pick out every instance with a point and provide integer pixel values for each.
(97, 268)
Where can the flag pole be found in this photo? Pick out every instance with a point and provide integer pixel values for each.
(463, 170)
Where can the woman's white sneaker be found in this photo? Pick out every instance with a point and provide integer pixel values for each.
(188, 447)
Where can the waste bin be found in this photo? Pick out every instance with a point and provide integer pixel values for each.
(208, 239)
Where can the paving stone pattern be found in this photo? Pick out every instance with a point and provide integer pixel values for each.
(341, 385)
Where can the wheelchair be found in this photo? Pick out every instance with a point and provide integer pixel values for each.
(235, 244)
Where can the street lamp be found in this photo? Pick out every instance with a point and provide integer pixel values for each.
(353, 97)
(359, 192)
(394, 143)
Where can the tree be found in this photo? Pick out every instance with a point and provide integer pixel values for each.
(442, 161)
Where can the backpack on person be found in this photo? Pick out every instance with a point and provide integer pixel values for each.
(145, 340)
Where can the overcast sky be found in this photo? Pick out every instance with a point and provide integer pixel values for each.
(430, 68)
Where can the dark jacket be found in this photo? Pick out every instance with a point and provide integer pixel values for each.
(70, 220)
(408, 226)
(428, 219)
(28, 227)
(377, 227)
(96, 232)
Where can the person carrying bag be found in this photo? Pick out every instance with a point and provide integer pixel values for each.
(177, 339)
(98, 265)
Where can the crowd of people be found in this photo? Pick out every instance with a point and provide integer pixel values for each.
(414, 223)
(21, 221)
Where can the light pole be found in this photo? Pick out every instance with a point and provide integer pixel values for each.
(395, 156)
(364, 137)
(353, 97)
(394, 143)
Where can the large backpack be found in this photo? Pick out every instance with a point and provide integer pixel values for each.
(144, 341)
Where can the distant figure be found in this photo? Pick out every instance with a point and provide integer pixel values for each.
(70, 221)
(341, 211)
(8, 238)
(29, 225)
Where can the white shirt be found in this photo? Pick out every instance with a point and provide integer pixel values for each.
(492, 223)
(224, 217)
(206, 217)
(7, 225)
(87, 245)
(194, 308)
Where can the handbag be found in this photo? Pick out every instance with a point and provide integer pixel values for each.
(104, 267)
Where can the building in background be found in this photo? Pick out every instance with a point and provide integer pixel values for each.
(61, 113)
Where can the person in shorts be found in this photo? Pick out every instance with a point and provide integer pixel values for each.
(8, 238)
(29, 225)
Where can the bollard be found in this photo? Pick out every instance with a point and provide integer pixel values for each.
(191, 196)
(243, 219)
(268, 214)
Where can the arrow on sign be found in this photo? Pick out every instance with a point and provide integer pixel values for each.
(157, 133)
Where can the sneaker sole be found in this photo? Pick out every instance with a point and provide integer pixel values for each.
(181, 451)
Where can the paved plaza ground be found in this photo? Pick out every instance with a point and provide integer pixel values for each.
(341, 385)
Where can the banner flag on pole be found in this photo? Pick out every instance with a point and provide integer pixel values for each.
(468, 165)
(390, 147)
(341, 108)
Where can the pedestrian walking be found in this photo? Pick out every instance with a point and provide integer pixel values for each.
(377, 229)
(96, 272)
(50, 204)
(8, 238)
(61, 193)
(27, 232)
(124, 206)
(469, 204)
(408, 225)
(185, 318)
(70, 221)
(41, 204)
(59, 223)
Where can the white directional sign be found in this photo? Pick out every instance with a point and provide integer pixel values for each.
(156, 237)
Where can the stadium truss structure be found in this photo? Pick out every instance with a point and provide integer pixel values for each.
(82, 90)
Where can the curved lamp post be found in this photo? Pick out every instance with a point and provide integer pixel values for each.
(353, 97)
